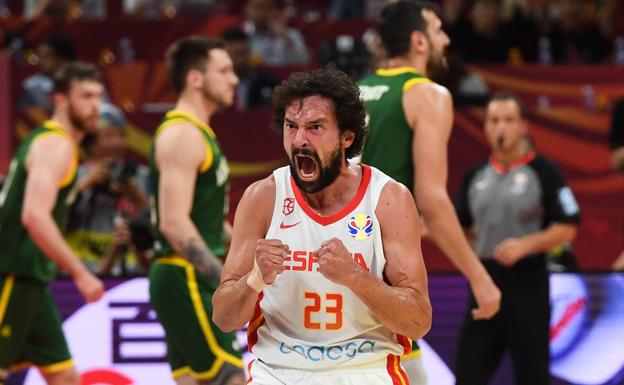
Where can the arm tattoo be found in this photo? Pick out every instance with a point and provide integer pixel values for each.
(202, 258)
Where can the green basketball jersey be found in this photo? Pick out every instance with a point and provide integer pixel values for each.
(18, 253)
(210, 202)
(389, 143)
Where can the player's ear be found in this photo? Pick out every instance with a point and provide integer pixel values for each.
(418, 41)
(60, 100)
(348, 137)
(194, 78)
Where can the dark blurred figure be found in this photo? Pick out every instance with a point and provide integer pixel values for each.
(53, 51)
(481, 35)
(346, 9)
(272, 39)
(616, 141)
(255, 88)
(65, 9)
(346, 54)
(574, 37)
(616, 135)
(111, 190)
(468, 88)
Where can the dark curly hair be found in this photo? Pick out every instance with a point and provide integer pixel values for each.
(331, 84)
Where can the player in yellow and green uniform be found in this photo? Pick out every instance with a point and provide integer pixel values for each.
(34, 206)
(189, 178)
(410, 120)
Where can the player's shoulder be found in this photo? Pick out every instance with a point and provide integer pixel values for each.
(179, 140)
(430, 90)
(394, 196)
(53, 142)
(182, 131)
(261, 192)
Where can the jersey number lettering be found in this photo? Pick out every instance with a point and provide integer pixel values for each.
(333, 305)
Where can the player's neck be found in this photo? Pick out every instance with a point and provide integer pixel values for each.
(417, 62)
(340, 193)
(196, 105)
(63, 120)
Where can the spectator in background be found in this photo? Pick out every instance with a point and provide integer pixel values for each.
(515, 207)
(346, 9)
(65, 9)
(53, 51)
(574, 37)
(272, 39)
(255, 88)
(111, 190)
(616, 141)
(482, 35)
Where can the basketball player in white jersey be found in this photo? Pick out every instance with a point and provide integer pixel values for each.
(325, 261)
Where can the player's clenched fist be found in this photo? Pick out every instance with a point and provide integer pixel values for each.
(335, 262)
(268, 262)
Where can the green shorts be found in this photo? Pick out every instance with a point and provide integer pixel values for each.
(183, 303)
(30, 327)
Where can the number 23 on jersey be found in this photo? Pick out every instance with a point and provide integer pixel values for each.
(330, 304)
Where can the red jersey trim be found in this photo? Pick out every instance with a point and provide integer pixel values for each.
(406, 343)
(249, 371)
(328, 220)
(501, 169)
(395, 370)
(257, 319)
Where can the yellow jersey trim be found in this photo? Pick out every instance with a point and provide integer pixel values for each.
(414, 354)
(57, 129)
(58, 367)
(45, 369)
(176, 117)
(174, 260)
(412, 82)
(397, 71)
(221, 355)
(183, 371)
(7, 288)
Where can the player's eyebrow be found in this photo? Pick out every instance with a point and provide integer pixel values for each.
(317, 121)
(289, 121)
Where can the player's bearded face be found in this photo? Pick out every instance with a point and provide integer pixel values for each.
(218, 98)
(437, 61)
(83, 122)
(309, 172)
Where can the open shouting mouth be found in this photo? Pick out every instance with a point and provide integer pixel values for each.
(307, 166)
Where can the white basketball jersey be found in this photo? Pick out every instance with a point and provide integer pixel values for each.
(305, 321)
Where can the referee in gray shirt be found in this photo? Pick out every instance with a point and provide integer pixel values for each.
(515, 207)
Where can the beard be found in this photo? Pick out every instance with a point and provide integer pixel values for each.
(215, 97)
(77, 121)
(327, 174)
(437, 63)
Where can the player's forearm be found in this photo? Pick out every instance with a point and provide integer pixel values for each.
(446, 232)
(233, 304)
(404, 310)
(552, 236)
(185, 239)
(48, 238)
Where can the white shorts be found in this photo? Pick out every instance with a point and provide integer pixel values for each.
(385, 373)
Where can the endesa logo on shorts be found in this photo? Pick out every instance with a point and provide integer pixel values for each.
(337, 352)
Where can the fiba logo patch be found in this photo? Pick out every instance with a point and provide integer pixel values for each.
(289, 206)
(360, 226)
